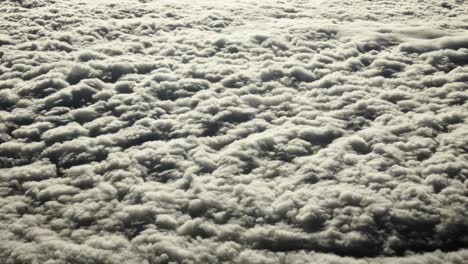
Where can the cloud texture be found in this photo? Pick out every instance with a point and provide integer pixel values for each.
(234, 132)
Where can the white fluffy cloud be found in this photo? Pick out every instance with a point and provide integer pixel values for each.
(233, 132)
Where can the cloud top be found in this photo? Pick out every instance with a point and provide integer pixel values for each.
(233, 132)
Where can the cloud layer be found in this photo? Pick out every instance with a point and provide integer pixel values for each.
(238, 132)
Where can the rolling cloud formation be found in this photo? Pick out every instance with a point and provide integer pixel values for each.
(239, 132)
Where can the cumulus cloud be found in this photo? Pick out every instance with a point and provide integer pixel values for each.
(234, 132)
